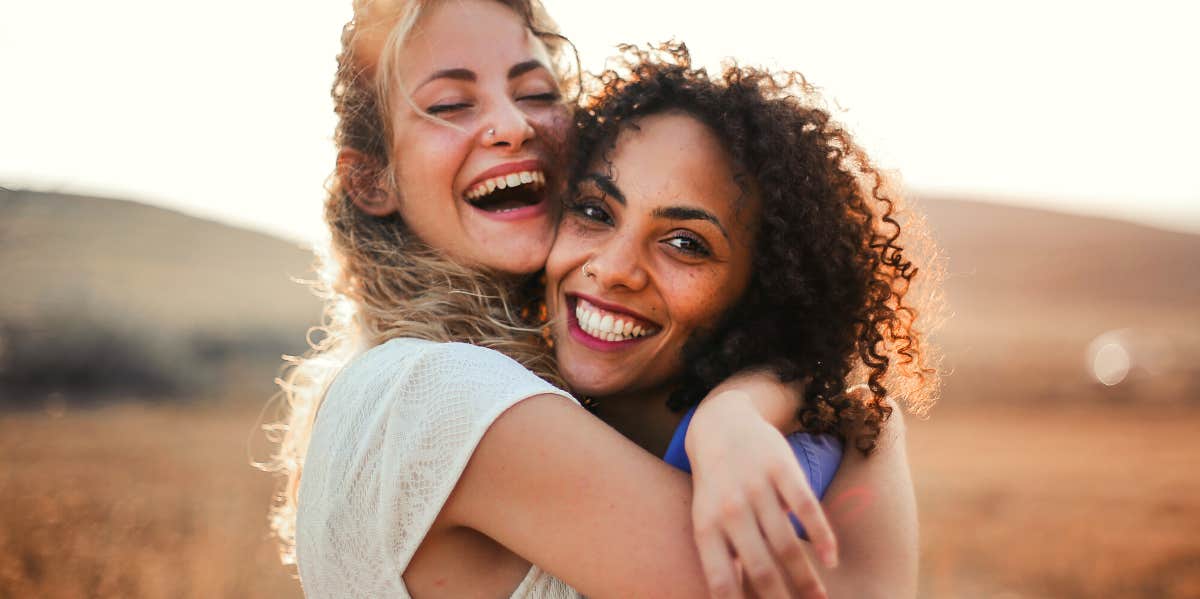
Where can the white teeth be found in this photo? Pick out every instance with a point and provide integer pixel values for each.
(506, 181)
(606, 326)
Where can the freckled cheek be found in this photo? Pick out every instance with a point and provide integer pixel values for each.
(696, 299)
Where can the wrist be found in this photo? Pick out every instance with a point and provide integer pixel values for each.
(721, 417)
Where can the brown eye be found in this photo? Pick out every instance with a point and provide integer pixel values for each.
(689, 244)
(591, 209)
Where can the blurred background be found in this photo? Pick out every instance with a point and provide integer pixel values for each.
(162, 168)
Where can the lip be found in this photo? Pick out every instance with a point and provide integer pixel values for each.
(507, 168)
(590, 342)
(611, 307)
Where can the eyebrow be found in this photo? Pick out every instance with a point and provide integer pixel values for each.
(689, 213)
(609, 187)
(461, 74)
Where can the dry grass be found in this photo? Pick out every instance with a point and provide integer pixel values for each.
(158, 501)
(1065, 500)
(135, 500)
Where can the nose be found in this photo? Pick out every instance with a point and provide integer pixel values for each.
(509, 127)
(618, 264)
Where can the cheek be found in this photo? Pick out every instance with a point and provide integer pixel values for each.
(564, 254)
(699, 297)
(553, 127)
(430, 157)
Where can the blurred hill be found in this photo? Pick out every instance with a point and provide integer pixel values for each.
(1032, 295)
(107, 293)
(101, 292)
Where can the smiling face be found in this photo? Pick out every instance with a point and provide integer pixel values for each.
(666, 235)
(478, 133)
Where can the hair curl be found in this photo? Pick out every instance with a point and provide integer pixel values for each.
(379, 281)
(826, 303)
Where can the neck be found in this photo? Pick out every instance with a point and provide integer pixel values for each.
(642, 417)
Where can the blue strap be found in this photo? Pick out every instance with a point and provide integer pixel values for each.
(819, 456)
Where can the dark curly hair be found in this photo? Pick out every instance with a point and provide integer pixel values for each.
(826, 301)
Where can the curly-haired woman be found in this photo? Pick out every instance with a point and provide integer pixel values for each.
(717, 225)
(447, 468)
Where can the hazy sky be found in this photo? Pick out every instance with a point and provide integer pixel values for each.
(220, 108)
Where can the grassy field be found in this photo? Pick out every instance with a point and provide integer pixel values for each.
(146, 500)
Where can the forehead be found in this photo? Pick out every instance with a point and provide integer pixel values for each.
(672, 158)
(480, 35)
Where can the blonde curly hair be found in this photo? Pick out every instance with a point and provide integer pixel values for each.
(378, 281)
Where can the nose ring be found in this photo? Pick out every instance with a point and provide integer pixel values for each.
(587, 273)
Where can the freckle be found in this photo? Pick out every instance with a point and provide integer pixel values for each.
(441, 582)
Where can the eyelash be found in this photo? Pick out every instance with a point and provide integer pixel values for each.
(699, 249)
(443, 108)
(581, 207)
(546, 97)
(693, 245)
(440, 108)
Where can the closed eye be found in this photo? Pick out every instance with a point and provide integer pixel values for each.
(447, 108)
(546, 97)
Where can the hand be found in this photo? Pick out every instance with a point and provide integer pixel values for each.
(745, 481)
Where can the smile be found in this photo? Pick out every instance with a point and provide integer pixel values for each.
(509, 192)
(511, 180)
(609, 325)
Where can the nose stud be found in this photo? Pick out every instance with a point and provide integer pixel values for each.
(587, 273)
(491, 132)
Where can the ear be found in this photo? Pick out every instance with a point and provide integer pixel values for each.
(362, 176)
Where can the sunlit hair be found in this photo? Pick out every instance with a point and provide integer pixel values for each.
(378, 281)
(829, 301)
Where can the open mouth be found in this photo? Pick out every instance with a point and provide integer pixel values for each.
(606, 324)
(507, 193)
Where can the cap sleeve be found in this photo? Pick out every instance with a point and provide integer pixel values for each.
(393, 436)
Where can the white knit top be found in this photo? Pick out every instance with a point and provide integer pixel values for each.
(391, 439)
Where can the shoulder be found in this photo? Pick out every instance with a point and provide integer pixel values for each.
(417, 365)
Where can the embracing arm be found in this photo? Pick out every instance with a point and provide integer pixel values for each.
(563, 490)
(873, 511)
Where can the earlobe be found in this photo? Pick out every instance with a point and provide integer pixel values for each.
(360, 176)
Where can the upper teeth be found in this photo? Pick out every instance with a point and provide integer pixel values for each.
(609, 326)
(505, 181)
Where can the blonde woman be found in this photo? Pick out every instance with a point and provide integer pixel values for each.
(436, 458)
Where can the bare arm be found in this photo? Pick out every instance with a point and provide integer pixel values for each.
(565, 491)
(873, 510)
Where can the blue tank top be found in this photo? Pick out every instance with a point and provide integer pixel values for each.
(819, 457)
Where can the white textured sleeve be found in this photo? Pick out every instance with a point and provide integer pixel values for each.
(439, 411)
(394, 434)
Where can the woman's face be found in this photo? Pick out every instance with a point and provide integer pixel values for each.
(474, 180)
(666, 238)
